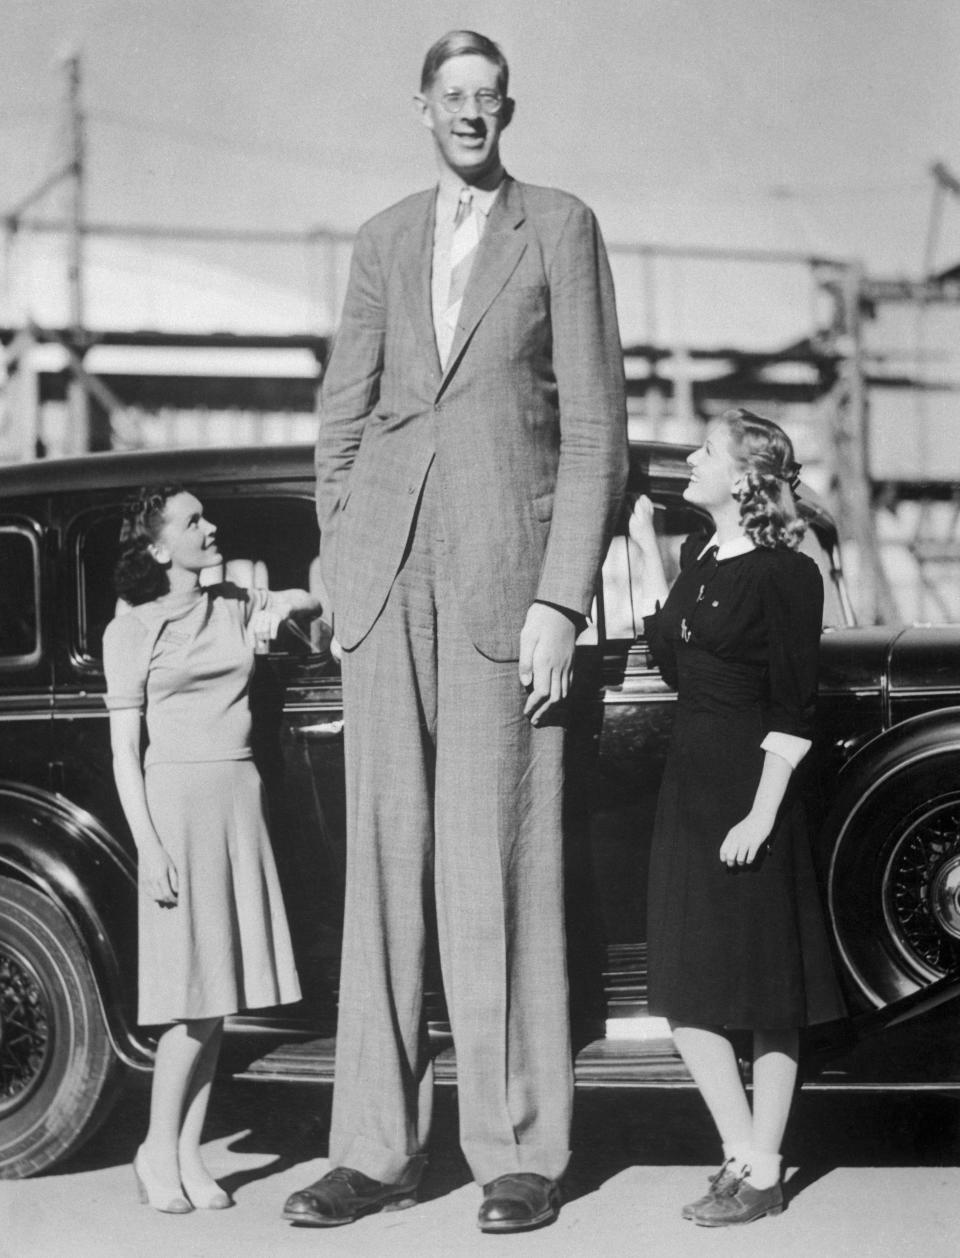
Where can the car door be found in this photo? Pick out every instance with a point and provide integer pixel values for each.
(26, 646)
(621, 719)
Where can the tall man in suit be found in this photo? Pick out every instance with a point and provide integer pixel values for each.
(471, 458)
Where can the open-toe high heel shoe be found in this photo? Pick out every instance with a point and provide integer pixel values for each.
(166, 1199)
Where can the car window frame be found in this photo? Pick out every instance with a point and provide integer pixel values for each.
(22, 661)
(78, 530)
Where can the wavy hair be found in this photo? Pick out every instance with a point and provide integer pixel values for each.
(138, 577)
(771, 475)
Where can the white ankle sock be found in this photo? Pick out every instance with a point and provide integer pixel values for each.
(764, 1169)
(737, 1152)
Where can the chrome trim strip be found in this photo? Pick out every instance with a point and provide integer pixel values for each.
(886, 713)
(917, 692)
(97, 713)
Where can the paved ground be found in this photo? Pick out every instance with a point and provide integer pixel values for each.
(871, 1177)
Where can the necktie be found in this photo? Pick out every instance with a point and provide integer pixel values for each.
(463, 248)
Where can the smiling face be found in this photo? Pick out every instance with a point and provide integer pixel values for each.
(186, 540)
(468, 142)
(714, 471)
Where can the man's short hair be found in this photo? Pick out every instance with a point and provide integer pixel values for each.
(459, 44)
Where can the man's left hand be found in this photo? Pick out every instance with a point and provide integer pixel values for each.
(547, 643)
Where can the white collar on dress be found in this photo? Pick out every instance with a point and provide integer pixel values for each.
(741, 545)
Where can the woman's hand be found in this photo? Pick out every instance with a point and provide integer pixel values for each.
(264, 626)
(640, 523)
(158, 875)
(744, 841)
(643, 538)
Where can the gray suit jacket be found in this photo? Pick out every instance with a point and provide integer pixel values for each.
(525, 426)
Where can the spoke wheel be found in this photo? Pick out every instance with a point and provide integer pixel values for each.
(894, 889)
(25, 1047)
(58, 1070)
(920, 891)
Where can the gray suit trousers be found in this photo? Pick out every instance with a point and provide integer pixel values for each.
(447, 781)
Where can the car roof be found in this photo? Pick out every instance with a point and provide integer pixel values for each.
(222, 463)
(654, 465)
(209, 464)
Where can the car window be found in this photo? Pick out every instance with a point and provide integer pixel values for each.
(19, 598)
(268, 543)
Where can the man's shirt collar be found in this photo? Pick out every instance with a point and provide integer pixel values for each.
(448, 194)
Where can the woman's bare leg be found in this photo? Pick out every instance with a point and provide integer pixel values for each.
(197, 1181)
(774, 1081)
(710, 1058)
(178, 1051)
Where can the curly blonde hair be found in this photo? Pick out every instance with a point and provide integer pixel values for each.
(771, 474)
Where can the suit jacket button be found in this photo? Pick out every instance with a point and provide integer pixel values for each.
(411, 489)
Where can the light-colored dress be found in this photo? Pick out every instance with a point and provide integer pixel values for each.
(186, 663)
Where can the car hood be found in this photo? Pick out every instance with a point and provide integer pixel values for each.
(921, 658)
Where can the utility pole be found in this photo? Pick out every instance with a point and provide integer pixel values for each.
(850, 473)
(78, 402)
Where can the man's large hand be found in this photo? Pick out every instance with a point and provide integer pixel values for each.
(547, 643)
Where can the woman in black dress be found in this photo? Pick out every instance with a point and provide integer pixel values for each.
(736, 935)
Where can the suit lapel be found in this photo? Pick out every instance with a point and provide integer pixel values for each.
(416, 266)
(498, 253)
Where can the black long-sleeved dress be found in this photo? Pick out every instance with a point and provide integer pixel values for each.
(744, 947)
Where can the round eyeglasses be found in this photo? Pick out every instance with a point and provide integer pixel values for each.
(487, 102)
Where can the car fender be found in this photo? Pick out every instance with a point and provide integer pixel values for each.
(894, 751)
(67, 854)
(890, 762)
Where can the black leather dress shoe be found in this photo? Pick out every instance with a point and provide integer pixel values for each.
(343, 1195)
(514, 1203)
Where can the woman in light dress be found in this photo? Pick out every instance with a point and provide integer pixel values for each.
(213, 935)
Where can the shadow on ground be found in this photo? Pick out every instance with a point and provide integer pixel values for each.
(287, 1124)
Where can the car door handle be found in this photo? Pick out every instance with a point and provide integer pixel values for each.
(323, 732)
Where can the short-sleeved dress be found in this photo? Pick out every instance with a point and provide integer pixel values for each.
(744, 947)
(186, 662)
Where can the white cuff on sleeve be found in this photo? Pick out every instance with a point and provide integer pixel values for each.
(789, 746)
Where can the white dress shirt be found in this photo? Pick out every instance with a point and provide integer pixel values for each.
(448, 198)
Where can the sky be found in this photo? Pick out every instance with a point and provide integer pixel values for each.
(800, 125)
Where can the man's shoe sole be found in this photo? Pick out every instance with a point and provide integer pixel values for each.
(509, 1225)
(375, 1207)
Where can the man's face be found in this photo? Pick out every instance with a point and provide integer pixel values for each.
(468, 142)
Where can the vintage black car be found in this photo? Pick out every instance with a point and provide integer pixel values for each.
(883, 787)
